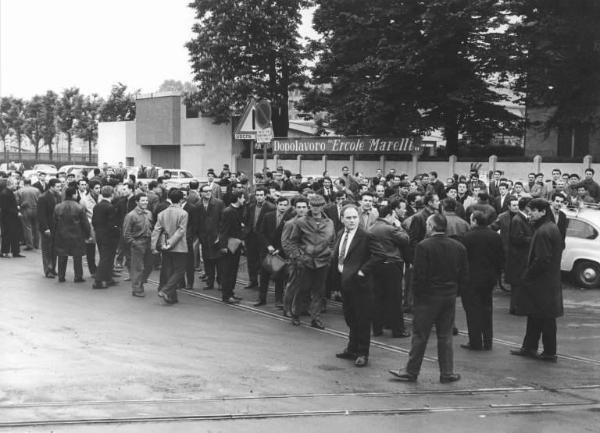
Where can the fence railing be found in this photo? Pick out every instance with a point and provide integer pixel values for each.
(29, 159)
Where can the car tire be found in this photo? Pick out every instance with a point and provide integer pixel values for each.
(587, 274)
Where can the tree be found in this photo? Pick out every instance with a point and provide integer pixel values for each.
(87, 126)
(16, 120)
(68, 114)
(5, 104)
(177, 86)
(49, 120)
(119, 106)
(558, 61)
(245, 49)
(32, 126)
(408, 66)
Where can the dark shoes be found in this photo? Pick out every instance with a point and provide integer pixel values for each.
(231, 301)
(450, 378)
(252, 285)
(138, 294)
(469, 347)
(404, 377)
(527, 353)
(100, 285)
(455, 331)
(260, 303)
(361, 361)
(317, 324)
(18, 256)
(61, 279)
(402, 334)
(295, 321)
(377, 332)
(209, 287)
(346, 355)
(236, 298)
(548, 358)
(112, 283)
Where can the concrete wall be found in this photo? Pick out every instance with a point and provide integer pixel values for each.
(205, 145)
(158, 120)
(113, 139)
(512, 170)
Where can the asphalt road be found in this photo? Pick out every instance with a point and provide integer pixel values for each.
(73, 359)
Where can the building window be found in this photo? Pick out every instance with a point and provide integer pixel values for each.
(129, 161)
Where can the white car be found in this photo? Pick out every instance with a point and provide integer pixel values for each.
(581, 256)
(179, 178)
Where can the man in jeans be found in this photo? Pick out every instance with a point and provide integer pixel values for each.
(137, 233)
(171, 227)
(441, 269)
(311, 244)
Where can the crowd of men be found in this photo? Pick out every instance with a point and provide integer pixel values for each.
(386, 245)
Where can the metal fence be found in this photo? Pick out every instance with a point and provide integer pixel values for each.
(29, 159)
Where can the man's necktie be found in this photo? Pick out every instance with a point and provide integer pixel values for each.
(343, 247)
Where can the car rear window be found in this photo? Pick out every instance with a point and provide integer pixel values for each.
(581, 229)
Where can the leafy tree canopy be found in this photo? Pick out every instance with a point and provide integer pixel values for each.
(119, 106)
(244, 49)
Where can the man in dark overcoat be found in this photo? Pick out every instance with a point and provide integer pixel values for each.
(520, 238)
(486, 259)
(106, 226)
(46, 204)
(231, 233)
(540, 298)
(207, 217)
(9, 220)
(72, 230)
(256, 251)
(355, 254)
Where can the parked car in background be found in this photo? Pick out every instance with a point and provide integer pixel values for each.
(179, 178)
(581, 256)
(76, 169)
(49, 169)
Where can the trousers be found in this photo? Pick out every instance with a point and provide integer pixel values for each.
(228, 269)
(311, 280)
(358, 308)
(544, 328)
(48, 255)
(142, 262)
(388, 297)
(31, 232)
(173, 265)
(430, 310)
(107, 249)
(477, 302)
(77, 267)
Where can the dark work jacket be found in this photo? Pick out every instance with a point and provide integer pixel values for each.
(486, 257)
(250, 223)
(502, 224)
(393, 240)
(541, 293)
(105, 221)
(72, 229)
(487, 209)
(363, 253)
(441, 268)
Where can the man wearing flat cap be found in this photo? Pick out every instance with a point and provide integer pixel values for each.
(310, 246)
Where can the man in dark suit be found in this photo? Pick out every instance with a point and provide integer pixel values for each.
(231, 231)
(270, 237)
(355, 255)
(559, 217)
(501, 202)
(441, 271)
(494, 186)
(255, 251)
(334, 209)
(207, 216)
(41, 183)
(106, 227)
(46, 204)
(486, 259)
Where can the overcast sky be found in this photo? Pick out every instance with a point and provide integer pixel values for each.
(92, 44)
